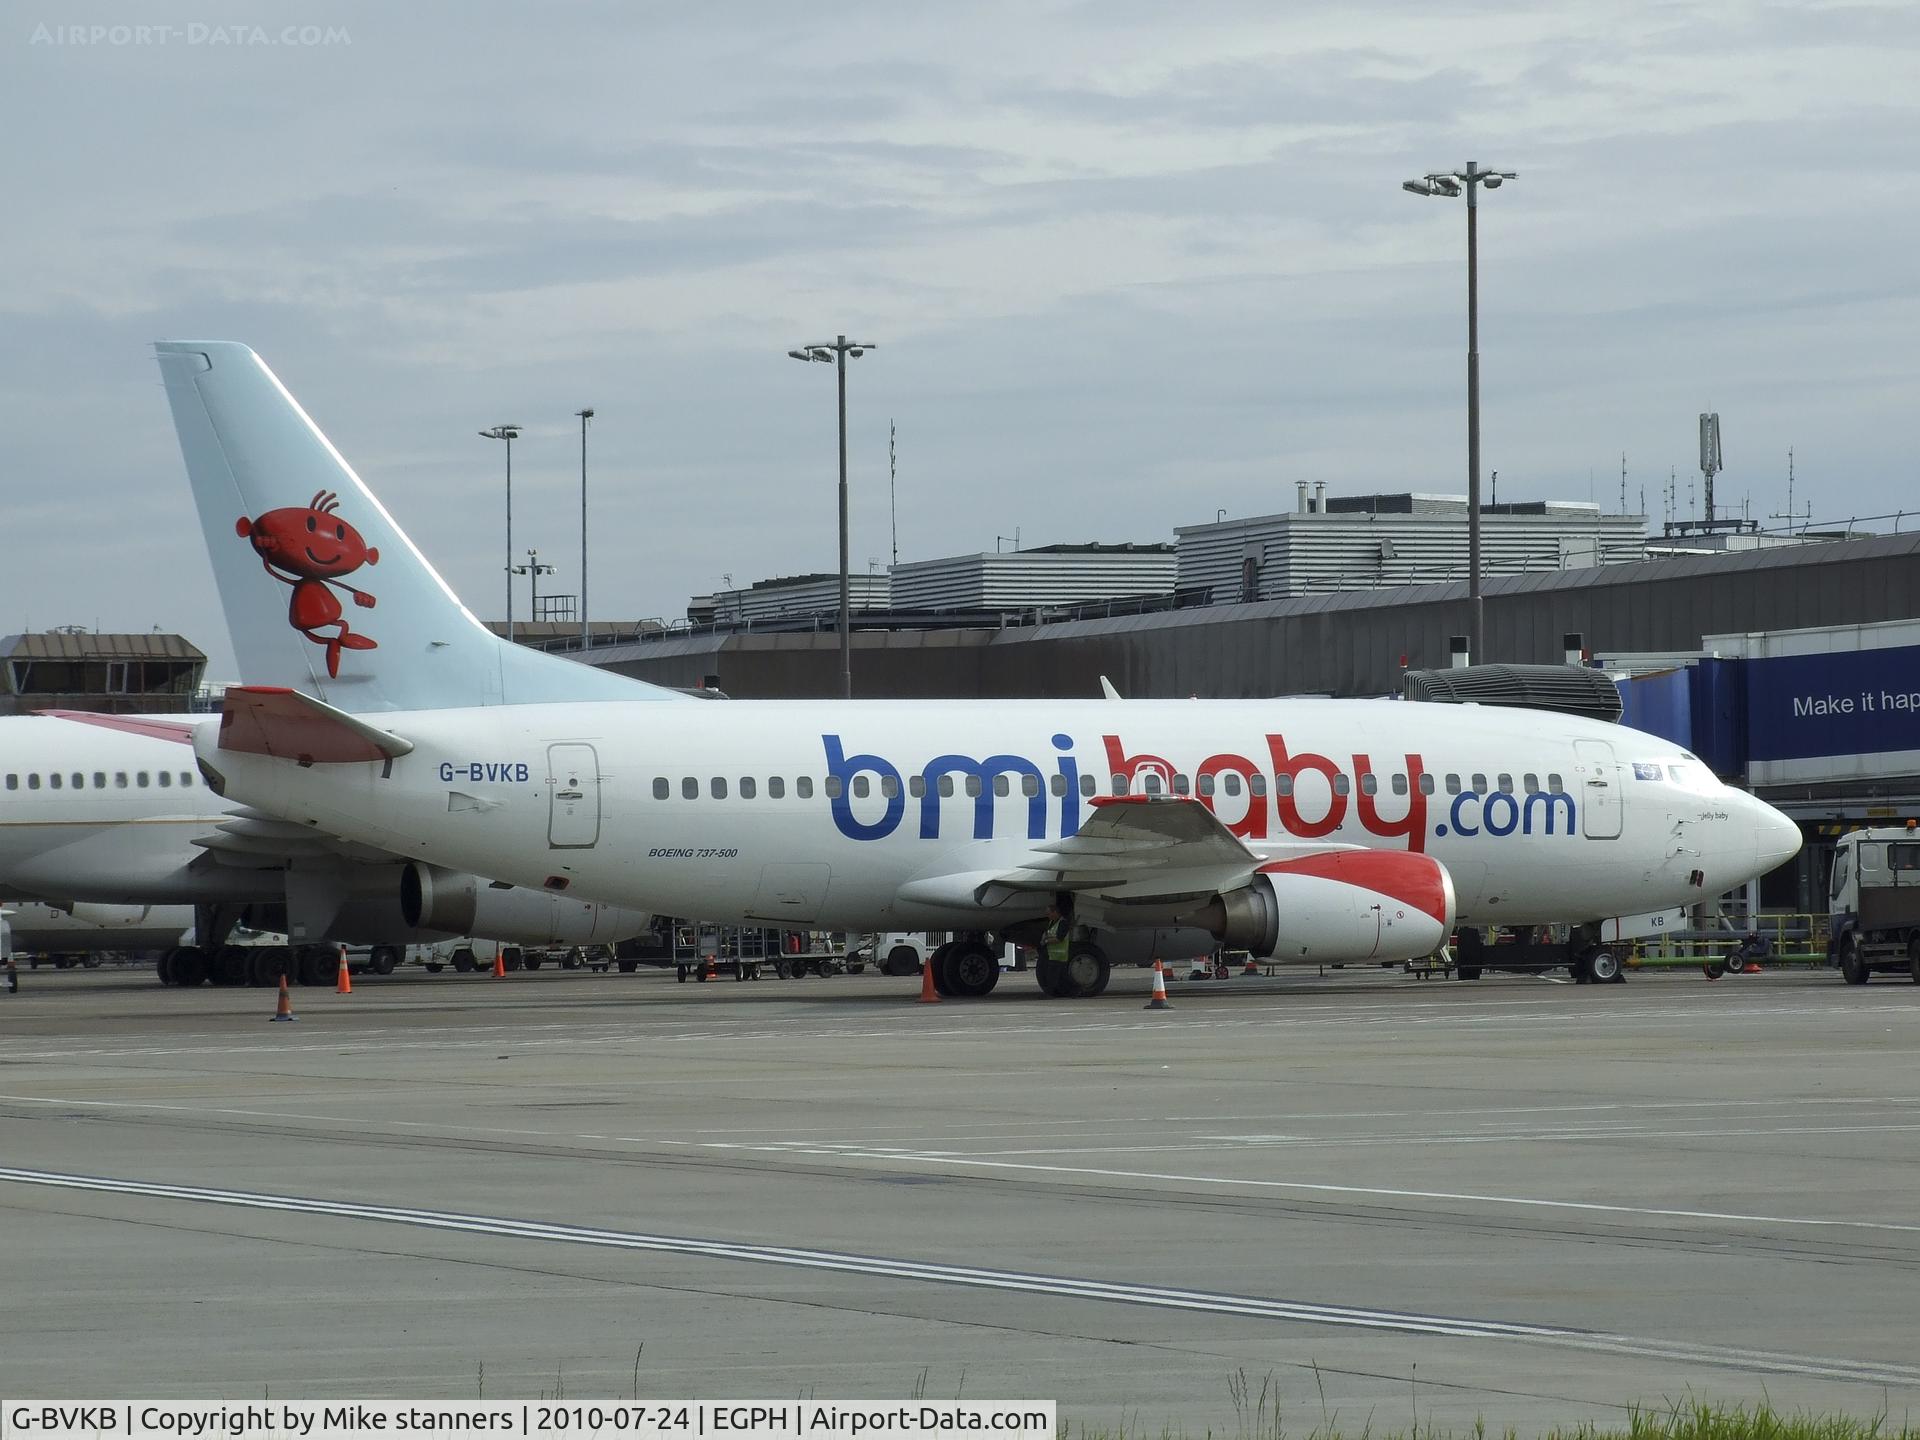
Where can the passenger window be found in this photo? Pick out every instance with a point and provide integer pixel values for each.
(1555, 784)
(1257, 785)
(186, 777)
(1029, 785)
(718, 788)
(1058, 784)
(1506, 783)
(99, 779)
(33, 781)
(53, 780)
(1532, 784)
(1341, 785)
(862, 787)
(79, 781)
(776, 788)
(974, 787)
(1002, 785)
(660, 787)
(119, 779)
(1230, 782)
(1087, 786)
(1150, 783)
(690, 788)
(141, 779)
(1479, 784)
(1399, 784)
(834, 788)
(1453, 784)
(1283, 784)
(890, 786)
(803, 787)
(1369, 785)
(1426, 783)
(1119, 784)
(13, 782)
(916, 786)
(1179, 784)
(1205, 784)
(946, 786)
(748, 789)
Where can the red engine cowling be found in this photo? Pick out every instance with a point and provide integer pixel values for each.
(1345, 905)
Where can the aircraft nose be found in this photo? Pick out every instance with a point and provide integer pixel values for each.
(1776, 838)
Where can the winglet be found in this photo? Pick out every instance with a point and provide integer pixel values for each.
(1107, 691)
(272, 720)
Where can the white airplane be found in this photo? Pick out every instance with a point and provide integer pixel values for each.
(110, 810)
(1303, 830)
(70, 930)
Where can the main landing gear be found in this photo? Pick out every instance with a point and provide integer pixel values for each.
(1081, 976)
(965, 969)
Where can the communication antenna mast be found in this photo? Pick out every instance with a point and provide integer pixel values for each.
(893, 504)
(1623, 482)
(1806, 516)
(1709, 456)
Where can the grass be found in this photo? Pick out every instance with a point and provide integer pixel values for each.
(1259, 1417)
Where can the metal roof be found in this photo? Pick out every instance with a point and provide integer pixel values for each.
(92, 645)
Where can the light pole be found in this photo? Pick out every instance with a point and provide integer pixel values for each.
(508, 433)
(1450, 184)
(837, 352)
(586, 636)
(533, 570)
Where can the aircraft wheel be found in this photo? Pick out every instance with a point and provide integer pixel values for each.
(937, 962)
(1603, 967)
(1713, 969)
(972, 970)
(163, 967)
(189, 966)
(229, 966)
(383, 959)
(1853, 963)
(1088, 971)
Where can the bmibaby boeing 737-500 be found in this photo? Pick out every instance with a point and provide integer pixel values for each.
(1308, 830)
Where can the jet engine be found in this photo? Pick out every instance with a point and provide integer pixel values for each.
(1341, 906)
(460, 904)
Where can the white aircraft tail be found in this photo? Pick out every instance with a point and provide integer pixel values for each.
(323, 592)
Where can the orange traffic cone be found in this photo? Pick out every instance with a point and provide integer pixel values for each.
(343, 982)
(928, 995)
(499, 964)
(1252, 967)
(1159, 1000)
(1753, 968)
(713, 970)
(284, 1011)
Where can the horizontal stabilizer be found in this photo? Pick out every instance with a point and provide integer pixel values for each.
(271, 720)
(178, 731)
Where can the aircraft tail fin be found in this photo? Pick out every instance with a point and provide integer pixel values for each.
(323, 591)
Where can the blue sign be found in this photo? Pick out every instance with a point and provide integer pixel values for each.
(1855, 702)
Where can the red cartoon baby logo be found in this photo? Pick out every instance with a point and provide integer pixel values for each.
(310, 548)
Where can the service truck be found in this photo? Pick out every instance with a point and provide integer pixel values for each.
(1873, 920)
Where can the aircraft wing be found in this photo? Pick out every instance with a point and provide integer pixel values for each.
(1135, 848)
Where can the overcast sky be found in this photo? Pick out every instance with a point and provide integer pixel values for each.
(1127, 264)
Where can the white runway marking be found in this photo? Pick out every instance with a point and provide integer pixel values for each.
(1070, 1287)
(1378, 1192)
